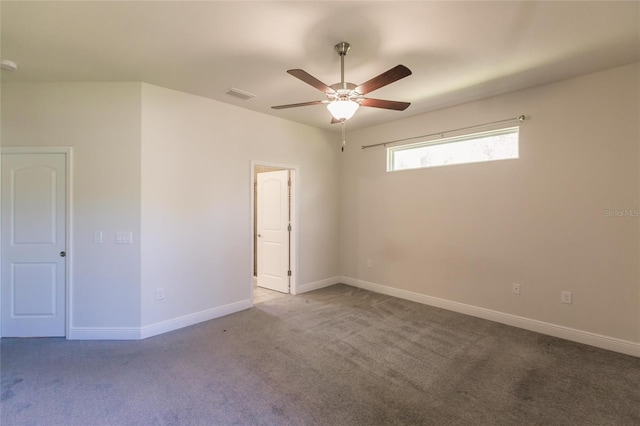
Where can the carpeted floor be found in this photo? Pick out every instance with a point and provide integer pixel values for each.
(335, 356)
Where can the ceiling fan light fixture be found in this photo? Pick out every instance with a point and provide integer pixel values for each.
(342, 109)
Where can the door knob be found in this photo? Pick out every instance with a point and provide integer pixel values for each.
(259, 235)
(63, 253)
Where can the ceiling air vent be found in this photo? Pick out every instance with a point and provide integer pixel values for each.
(240, 94)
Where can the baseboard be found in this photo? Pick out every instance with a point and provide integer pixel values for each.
(317, 284)
(104, 333)
(195, 318)
(135, 333)
(585, 337)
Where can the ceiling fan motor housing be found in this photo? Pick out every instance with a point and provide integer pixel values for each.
(344, 91)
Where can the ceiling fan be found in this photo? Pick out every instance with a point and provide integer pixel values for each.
(344, 98)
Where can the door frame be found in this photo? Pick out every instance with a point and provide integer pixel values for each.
(68, 152)
(293, 244)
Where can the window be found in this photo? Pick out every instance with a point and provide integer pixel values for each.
(486, 146)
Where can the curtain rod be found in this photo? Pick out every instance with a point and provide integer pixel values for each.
(519, 118)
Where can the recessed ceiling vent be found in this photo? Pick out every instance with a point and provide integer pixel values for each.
(240, 94)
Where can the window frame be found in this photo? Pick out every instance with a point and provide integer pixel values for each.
(453, 139)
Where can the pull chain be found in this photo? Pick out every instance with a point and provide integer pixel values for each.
(344, 141)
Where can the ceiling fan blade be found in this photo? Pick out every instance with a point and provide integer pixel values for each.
(381, 103)
(311, 80)
(388, 77)
(299, 105)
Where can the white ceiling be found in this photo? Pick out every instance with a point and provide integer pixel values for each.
(458, 50)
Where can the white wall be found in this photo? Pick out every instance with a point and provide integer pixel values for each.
(101, 121)
(196, 203)
(174, 169)
(465, 233)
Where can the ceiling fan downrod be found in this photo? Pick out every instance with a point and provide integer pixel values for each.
(342, 48)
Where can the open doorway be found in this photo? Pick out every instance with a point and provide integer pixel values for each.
(274, 220)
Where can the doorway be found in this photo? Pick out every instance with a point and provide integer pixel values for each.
(274, 219)
(35, 231)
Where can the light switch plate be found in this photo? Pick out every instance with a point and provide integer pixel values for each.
(124, 237)
(97, 237)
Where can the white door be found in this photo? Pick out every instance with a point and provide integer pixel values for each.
(273, 230)
(33, 244)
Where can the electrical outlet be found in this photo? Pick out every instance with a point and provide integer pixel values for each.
(369, 263)
(515, 288)
(159, 293)
(565, 296)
